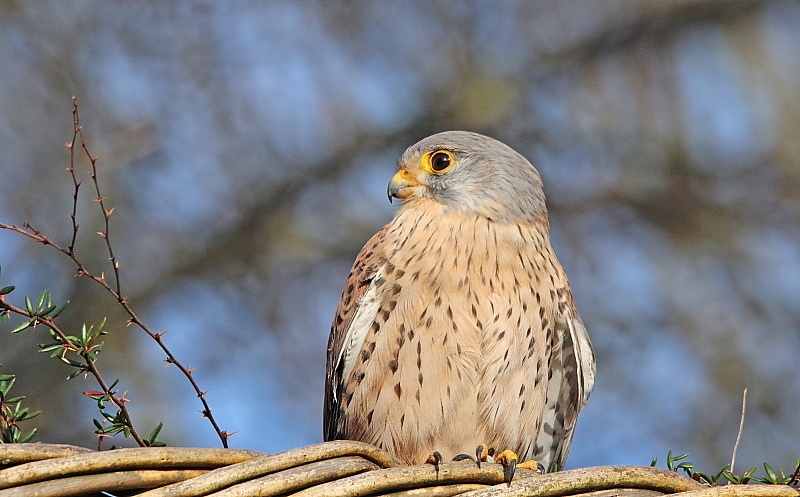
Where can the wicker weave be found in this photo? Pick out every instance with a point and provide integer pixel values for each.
(329, 469)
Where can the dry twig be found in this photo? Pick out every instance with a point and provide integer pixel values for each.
(28, 230)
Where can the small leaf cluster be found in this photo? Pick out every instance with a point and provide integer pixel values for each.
(80, 352)
(677, 463)
(86, 346)
(44, 308)
(12, 412)
(115, 423)
(771, 477)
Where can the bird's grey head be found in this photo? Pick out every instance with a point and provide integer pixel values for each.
(472, 173)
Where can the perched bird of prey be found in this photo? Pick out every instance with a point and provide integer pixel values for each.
(456, 326)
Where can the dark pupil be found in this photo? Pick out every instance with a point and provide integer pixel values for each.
(440, 161)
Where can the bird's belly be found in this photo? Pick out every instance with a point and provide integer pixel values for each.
(440, 386)
(458, 352)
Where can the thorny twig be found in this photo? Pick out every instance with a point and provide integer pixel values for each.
(115, 290)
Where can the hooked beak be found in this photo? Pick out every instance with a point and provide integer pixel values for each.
(402, 185)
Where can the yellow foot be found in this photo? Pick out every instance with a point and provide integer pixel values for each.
(532, 465)
(509, 461)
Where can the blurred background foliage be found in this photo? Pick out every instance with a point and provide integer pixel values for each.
(246, 148)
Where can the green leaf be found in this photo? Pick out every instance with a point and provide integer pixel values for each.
(773, 478)
(24, 325)
(42, 298)
(47, 347)
(47, 310)
(672, 459)
(71, 362)
(6, 382)
(151, 439)
(113, 429)
(731, 477)
(29, 415)
(75, 374)
(27, 437)
(7, 289)
(59, 310)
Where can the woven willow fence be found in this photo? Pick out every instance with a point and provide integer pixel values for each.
(328, 469)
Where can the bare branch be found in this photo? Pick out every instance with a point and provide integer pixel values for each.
(115, 290)
(739, 433)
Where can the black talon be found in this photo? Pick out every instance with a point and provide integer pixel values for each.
(509, 470)
(461, 457)
(479, 454)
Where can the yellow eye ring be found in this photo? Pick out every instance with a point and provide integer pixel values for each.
(438, 161)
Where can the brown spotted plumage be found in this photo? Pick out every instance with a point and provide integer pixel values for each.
(456, 325)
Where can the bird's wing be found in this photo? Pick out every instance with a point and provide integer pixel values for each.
(584, 359)
(576, 380)
(354, 316)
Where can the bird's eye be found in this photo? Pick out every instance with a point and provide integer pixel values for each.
(439, 162)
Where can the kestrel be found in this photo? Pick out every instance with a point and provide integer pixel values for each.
(456, 325)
